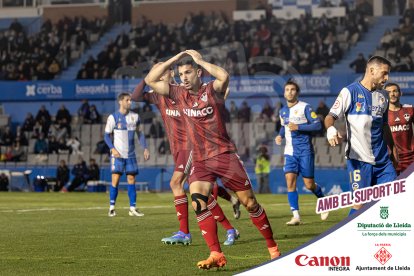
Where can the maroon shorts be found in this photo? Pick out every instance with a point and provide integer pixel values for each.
(226, 166)
(182, 161)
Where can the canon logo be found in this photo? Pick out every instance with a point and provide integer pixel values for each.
(304, 260)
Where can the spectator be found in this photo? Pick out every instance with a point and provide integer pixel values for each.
(267, 112)
(94, 172)
(234, 112)
(43, 113)
(74, 145)
(63, 148)
(322, 110)
(276, 116)
(62, 175)
(94, 116)
(18, 154)
(63, 119)
(21, 137)
(53, 145)
(359, 64)
(4, 183)
(37, 130)
(164, 147)
(262, 170)
(156, 129)
(7, 137)
(101, 147)
(28, 123)
(244, 113)
(40, 146)
(84, 112)
(81, 175)
(147, 114)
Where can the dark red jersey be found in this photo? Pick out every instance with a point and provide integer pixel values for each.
(401, 123)
(206, 128)
(173, 121)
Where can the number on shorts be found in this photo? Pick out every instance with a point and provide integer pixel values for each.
(355, 176)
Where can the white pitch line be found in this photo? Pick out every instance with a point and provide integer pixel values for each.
(104, 208)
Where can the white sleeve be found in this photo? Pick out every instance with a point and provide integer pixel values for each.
(110, 124)
(341, 105)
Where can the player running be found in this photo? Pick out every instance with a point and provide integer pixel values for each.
(364, 105)
(214, 155)
(298, 122)
(181, 151)
(401, 120)
(123, 124)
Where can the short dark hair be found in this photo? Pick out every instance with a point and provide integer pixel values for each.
(123, 95)
(187, 61)
(293, 82)
(379, 60)
(393, 84)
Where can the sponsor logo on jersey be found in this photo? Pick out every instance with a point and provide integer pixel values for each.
(355, 186)
(397, 119)
(216, 217)
(246, 183)
(360, 107)
(203, 232)
(181, 166)
(178, 214)
(172, 113)
(195, 104)
(304, 260)
(204, 97)
(360, 96)
(199, 112)
(400, 128)
(377, 109)
(336, 104)
(407, 117)
(313, 115)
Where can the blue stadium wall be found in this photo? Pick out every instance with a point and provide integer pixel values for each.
(19, 98)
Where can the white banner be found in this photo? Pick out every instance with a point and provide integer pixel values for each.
(379, 241)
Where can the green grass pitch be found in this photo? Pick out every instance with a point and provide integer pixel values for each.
(71, 234)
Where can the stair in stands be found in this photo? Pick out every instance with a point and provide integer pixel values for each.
(71, 72)
(367, 44)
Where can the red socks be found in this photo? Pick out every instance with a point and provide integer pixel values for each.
(181, 206)
(218, 214)
(259, 218)
(208, 229)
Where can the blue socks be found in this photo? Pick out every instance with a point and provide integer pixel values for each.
(318, 191)
(113, 194)
(132, 194)
(293, 199)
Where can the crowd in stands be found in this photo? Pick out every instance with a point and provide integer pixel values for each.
(398, 44)
(45, 54)
(306, 44)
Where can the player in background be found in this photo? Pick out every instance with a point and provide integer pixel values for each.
(401, 120)
(214, 155)
(298, 122)
(123, 124)
(181, 151)
(364, 105)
